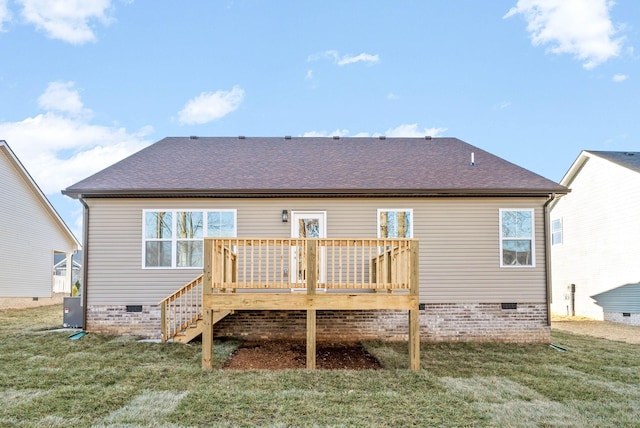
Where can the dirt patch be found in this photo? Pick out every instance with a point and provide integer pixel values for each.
(601, 329)
(279, 355)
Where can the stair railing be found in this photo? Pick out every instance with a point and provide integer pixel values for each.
(181, 309)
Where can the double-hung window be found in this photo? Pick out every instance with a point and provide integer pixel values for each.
(556, 232)
(517, 237)
(174, 238)
(395, 223)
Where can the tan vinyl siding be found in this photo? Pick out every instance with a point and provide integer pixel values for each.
(464, 262)
(459, 244)
(29, 234)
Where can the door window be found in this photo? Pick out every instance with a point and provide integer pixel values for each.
(307, 224)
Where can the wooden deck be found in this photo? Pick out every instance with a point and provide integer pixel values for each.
(303, 274)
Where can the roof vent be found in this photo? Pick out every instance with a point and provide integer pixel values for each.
(336, 137)
(287, 137)
(427, 137)
(473, 159)
(382, 137)
(241, 137)
(193, 137)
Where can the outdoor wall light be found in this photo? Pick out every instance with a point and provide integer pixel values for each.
(285, 216)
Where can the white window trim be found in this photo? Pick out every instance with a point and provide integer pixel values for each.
(174, 238)
(533, 238)
(410, 210)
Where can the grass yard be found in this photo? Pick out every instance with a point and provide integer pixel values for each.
(46, 379)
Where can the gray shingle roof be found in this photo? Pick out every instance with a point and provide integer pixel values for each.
(311, 166)
(629, 160)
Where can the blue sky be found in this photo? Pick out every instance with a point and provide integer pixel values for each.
(85, 83)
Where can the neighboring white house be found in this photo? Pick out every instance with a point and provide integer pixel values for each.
(621, 304)
(596, 231)
(61, 283)
(32, 233)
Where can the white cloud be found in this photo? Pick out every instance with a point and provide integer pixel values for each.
(404, 130)
(209, 106)
(59, 150)
(581, 28)
(392, 96)
(5, 15)
(61, 96)
(619, 77)
(67, 20)
(363, 57)
(335, 56)
(412, 130)
(502, 105)
(337, 133)
(309, 75)
(331, 55)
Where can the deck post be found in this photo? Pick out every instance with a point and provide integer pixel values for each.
(163, 321)
(207, 278)
(311, 339)
(414, 313)
(414, 339)
(312, 269)
(207, 340)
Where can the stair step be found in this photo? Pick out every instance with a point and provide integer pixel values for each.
(195, 329)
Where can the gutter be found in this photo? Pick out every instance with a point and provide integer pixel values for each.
(323, 193)
(85, 258)
(547, 253)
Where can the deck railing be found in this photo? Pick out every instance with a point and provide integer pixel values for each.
(286, 263)
(181, 309)
(289, 265)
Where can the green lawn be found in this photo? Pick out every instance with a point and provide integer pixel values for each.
(46, 379)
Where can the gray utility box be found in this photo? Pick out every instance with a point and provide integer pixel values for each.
(72, 315)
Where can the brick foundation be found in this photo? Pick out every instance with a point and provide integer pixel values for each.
(486, 322)
(632, 319)
(116, 320)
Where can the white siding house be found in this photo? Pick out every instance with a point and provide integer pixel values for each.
(596, 231)
(32, 232)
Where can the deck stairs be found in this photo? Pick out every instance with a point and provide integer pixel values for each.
(182, 313)
(195, 329)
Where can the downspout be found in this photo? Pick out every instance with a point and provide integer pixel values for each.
(547, 254)
(85, 259)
